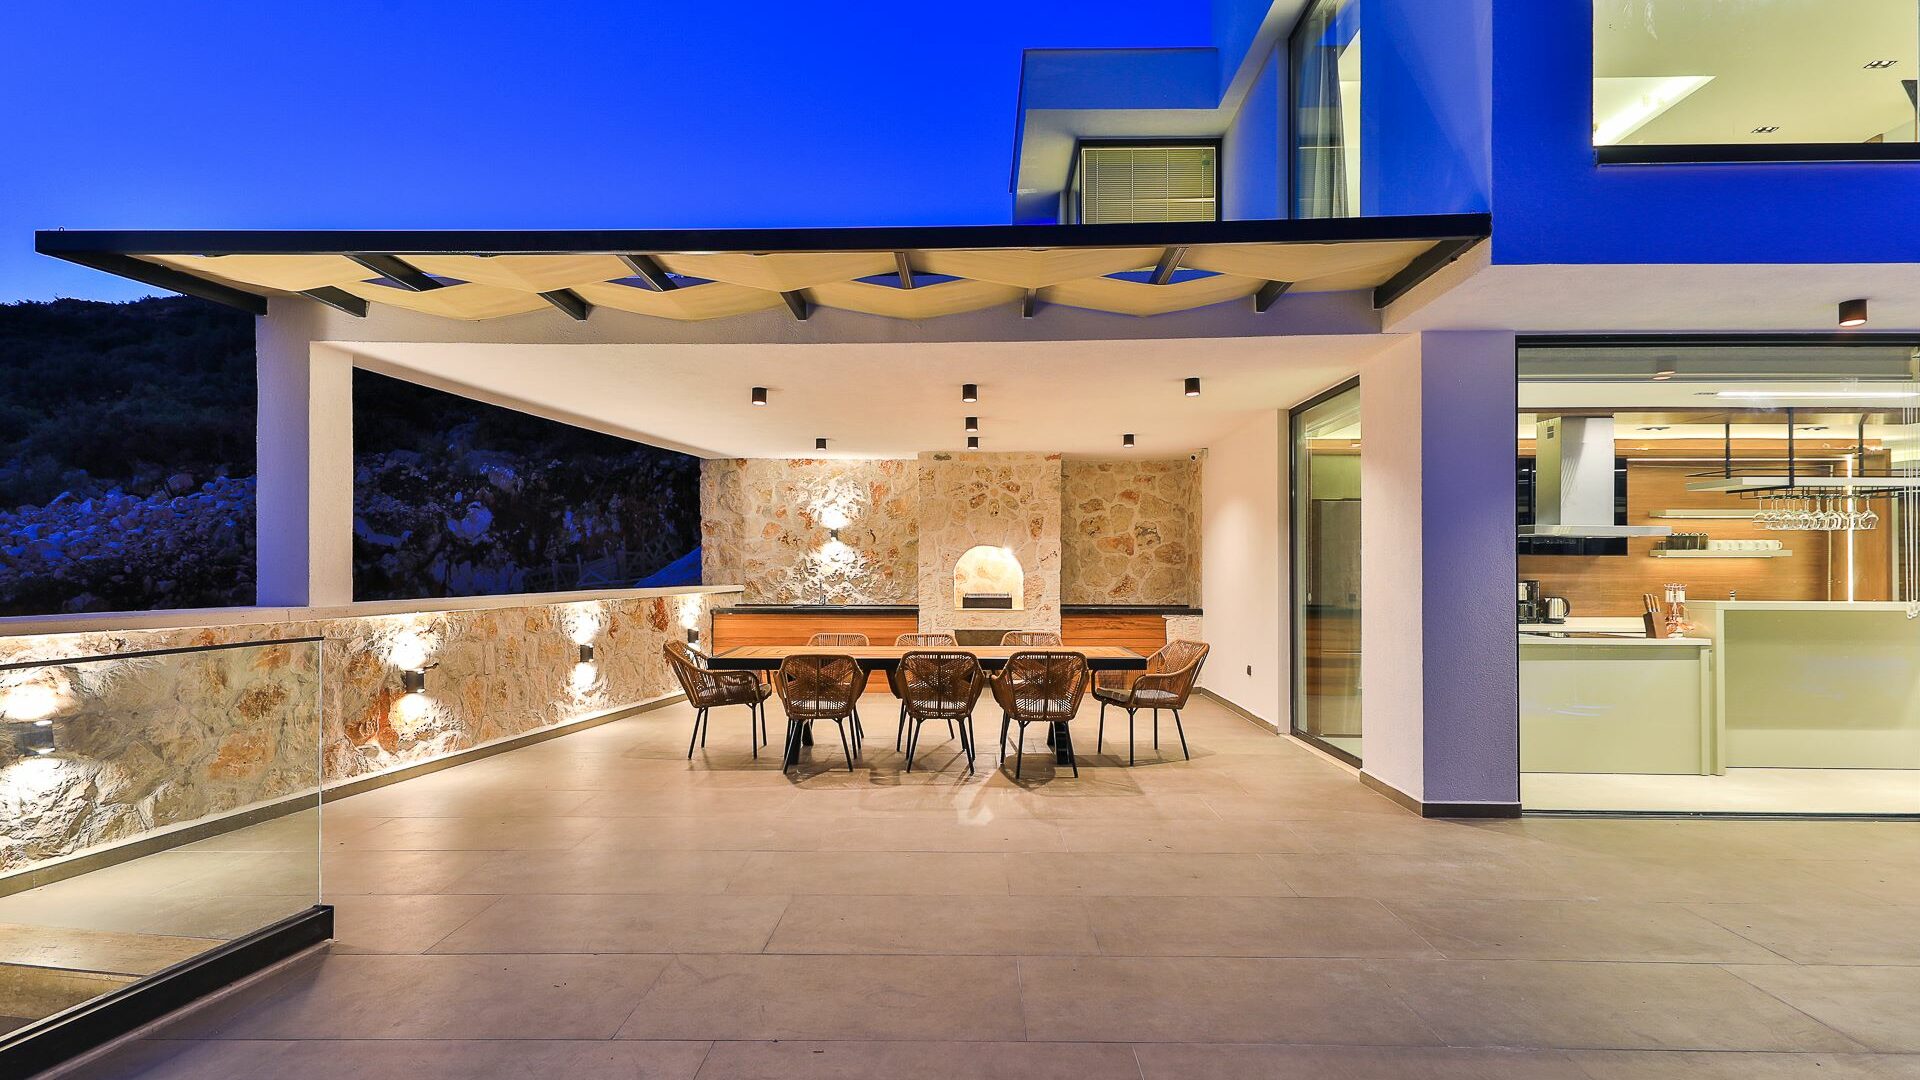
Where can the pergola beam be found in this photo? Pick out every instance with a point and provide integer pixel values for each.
(570, 302)
(338, 299)
(397, 270)
(797, 303)
(1169, 262)
(905, 269)
(646, 269)
(1264, 297)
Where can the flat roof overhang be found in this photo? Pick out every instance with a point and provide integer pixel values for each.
(912, 272)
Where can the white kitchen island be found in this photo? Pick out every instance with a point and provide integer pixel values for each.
(1614, 704)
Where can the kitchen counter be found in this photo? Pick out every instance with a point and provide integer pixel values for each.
(1605, 704)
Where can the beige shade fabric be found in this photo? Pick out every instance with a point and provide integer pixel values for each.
(716, 285)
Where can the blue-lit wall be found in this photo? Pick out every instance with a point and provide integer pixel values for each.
(1425, 101)
(1553, 204)
(1253, 167)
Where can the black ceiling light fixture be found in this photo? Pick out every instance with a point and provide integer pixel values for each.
(1127, 440)
(1853, 312)
(1193, 386)
(759, 395)
(973, 425)
(820, 443)
(1665, 368)
(969, 392)
(973, 442)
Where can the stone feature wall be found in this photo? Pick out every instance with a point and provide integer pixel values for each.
(1131, 532)
(997, 500)
(765, 525)
(150, 744)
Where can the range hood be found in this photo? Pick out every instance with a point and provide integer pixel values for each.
(1573, 481)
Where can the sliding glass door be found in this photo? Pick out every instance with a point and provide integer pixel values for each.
(1326, 571)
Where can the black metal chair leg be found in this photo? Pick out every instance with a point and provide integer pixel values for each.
(753, 734)
(1156, 729)
(1066, 739)
(900, 732)
(913, 740)
(1019, 749)
(966, 740)
(1100, 737)
(698, 715)
(791, 758)
(844, 748)
(1129, 738)
(1004, 721)
(1181, 728)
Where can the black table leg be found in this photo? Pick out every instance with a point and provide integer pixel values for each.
(1062, 744)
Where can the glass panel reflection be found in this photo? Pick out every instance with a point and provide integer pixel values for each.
(1326, 572)
(155, 806)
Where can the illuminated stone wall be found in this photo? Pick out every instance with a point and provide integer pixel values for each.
(152, 744)
(766, 525)
(1010, 501)
(1131, 533)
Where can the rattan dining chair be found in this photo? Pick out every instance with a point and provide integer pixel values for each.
(1165, 684)
(940, 685)
(707, 689)
(817, 686)
(1038, 688)
(845, 641)
(1030, 637)
(912, 641)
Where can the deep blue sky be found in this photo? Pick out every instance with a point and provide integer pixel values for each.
(525, 114)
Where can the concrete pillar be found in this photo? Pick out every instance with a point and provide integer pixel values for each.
(1439, 657)
(305, 446)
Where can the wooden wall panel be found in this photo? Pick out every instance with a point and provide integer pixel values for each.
(1141, 633)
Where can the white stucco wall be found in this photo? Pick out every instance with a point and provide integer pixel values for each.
(1244, 565)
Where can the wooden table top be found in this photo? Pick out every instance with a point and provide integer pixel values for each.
(1099, 657)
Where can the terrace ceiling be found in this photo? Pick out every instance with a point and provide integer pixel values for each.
(906, 273)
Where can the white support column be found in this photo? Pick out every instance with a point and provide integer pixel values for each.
(305, 447)
(1439, 657)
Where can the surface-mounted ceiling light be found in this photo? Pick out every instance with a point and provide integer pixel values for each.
(1853, 313)
(820, 443)
(970, 392)
(1193, 387)
(973, 442)
(973, 425)
(1664, 373)
(1126, 440)
(759, 395)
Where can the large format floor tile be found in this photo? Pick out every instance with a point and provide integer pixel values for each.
(600, 906)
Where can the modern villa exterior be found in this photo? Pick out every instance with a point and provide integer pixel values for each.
(1612, 243)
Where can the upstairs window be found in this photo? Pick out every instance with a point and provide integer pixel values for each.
(1713, 80)
(1325, 54)
(1157, 182)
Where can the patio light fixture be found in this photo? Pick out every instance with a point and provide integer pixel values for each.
(1853, 312)
(1193, 386)
(1127, 440)
(759, 395)
(586, 652)
(36, 738)
(820, 443)
(973, 425)
(973, 442)
(969, 392)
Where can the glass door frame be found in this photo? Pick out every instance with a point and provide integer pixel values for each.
(1296, 535)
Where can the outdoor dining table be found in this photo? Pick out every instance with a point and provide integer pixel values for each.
(887, 658)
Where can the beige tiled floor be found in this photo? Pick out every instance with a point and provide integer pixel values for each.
(598, 907)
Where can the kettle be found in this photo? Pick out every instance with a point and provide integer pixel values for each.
(1556, 608)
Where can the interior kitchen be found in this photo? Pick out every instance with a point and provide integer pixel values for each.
(1717, 566)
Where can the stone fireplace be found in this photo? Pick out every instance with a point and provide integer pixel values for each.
(989, 526)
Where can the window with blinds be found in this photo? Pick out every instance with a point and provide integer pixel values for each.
(1148, 183)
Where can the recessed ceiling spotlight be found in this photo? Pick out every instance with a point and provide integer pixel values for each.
(1766, 129)
(759, 395)
(973, 442)
(973, 425)
(970, 392)
(1193, 387)
(1126, 440)
(1878, 65)
(1853, 312)
(820, 443)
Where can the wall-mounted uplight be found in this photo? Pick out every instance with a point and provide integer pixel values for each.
(414, 681)
(759, 395)
(1126, 441)
(36, 739)
(693, 635)
(970, 392)
(1853, 312)
(833, 535)
(586, 652)
(973, 425)
(820, 443)
(973, 442)
(1193, 386)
